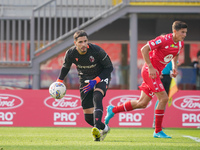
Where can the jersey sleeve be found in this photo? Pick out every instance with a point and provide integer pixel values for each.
(66, 66)
(106, 63)
(67, 60)
(155, 43)
(104, 58)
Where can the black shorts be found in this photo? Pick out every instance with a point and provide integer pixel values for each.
(87, 98)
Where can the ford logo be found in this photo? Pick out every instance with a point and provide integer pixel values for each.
(68, 102)
(8, 101)
(188, 103)
(116, 101)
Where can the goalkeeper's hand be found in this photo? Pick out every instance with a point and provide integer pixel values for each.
(91, 84)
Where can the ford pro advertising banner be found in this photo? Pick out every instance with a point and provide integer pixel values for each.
(35, 108)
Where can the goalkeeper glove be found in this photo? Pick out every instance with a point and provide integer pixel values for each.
(91, 84)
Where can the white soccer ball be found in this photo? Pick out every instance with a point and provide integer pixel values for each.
(57, 90)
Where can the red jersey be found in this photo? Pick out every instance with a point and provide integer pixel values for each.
(163, 50)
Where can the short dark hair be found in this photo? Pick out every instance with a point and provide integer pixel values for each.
(79, 33)
(177, 25)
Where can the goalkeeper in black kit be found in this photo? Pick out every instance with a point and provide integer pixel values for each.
(94, 70)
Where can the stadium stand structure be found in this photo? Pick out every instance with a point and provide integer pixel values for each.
(34, 31)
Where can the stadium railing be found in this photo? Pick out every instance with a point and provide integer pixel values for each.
(29, 27)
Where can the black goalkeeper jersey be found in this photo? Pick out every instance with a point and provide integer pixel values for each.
(94, 63)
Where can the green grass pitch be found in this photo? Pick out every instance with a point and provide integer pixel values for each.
(67, 138)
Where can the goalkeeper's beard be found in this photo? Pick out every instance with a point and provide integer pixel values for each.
(83, 50)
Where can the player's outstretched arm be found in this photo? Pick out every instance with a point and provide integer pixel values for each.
(64, 71)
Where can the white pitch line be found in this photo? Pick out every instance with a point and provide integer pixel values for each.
(193, 138)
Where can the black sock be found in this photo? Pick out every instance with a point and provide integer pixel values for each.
(98, 110)
(89, 119)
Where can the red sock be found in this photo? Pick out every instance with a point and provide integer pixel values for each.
(123, 107)
(159, 117)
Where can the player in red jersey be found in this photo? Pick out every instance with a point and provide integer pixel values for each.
(157, 53)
